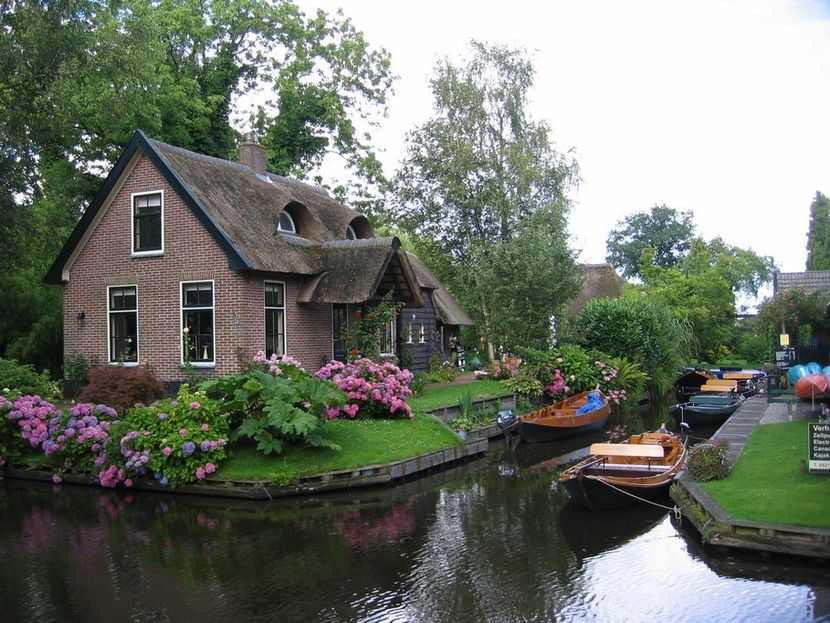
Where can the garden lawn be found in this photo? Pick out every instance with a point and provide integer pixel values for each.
(448, 394)
(767, 483)
(362, 442)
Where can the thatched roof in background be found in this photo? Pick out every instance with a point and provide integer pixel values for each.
(447, 308)
(598, 281)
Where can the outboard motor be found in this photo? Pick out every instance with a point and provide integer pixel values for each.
(506, 421)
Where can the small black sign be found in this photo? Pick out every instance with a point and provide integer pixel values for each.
(819, 448)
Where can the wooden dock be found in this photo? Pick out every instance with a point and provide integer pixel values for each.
(717, 527)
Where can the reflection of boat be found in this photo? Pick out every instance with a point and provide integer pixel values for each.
(573, 416)
(590, 533)
(641, 468)
(704, 410)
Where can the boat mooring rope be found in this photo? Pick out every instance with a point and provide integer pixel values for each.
(678, 514)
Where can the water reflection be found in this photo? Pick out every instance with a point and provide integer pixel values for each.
(465, 545)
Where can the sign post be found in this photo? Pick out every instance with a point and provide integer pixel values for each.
(818, 435)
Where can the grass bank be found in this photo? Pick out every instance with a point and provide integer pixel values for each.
(767, 483)
(362, 442)
(449, 394)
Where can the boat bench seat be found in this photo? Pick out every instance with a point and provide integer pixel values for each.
(628, 449)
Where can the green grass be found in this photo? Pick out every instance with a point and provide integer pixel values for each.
(362, 442)
(448, 394)
(767, 483)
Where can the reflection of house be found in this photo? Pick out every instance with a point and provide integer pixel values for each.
(184, 257)
(598, 281)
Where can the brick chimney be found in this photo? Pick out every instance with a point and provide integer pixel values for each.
(252, 154)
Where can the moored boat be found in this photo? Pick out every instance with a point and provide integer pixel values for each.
(578, 414)
(690, 382)
(616, 474)
(706, 410)
(812, 386)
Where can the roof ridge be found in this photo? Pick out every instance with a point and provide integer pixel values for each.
(237, 166)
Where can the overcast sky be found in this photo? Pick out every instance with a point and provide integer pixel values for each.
(718, 107)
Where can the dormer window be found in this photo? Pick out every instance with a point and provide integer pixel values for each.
(286, 225)
(350, 233)
(148, 224)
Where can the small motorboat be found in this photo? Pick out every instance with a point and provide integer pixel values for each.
(573, 416)
(690, 381)
(707, 409)
(616, 474)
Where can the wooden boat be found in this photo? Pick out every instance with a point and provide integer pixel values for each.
(616, 474)
(690, 382)
(812, 386)
(573, 416)
(705, 410)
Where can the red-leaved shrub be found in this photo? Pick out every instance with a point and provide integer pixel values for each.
(121, 388)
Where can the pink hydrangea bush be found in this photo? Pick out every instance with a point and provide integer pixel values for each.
(174, 441)
(81, 435)
(374, 389)
(276, 364)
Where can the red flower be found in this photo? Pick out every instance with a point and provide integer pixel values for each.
(358, 314)
(355, 351)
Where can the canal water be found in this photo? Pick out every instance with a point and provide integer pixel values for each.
(491, 540)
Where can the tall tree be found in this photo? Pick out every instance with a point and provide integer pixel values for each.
(818, 236)
(483, 185)
(77, 77)
(662, 228)
(703, 289)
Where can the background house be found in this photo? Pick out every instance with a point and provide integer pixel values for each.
(818, 349)
(598, 281)
(185, 259)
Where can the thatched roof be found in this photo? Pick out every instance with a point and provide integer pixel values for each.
(598, 281)
(447, 308)
(240, 207)
(355, 270)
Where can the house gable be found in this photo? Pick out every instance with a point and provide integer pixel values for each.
(138, 146)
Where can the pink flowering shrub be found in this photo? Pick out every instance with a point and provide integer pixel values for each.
(25, 424)
(175, 441)
(276, 364)
(80, 435)
(374, 389)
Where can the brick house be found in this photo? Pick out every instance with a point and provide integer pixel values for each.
(183, 257)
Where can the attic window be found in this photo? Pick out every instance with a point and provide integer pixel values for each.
(350, 233)
(285, 224)
(148, 223)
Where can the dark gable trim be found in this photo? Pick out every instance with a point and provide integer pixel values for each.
(236, 259)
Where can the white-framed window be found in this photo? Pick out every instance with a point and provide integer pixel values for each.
(122, 310)
(286, 224)
(198, 337)
(422, 336)
(274, 318)
(147, 223)
(388, 338)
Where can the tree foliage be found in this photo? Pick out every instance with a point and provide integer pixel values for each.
(77, 77)
(665, 230)
(643, 331)
(702, 290)
(818, 236)
(482, 192)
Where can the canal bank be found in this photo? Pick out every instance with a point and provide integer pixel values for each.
(716, 526)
